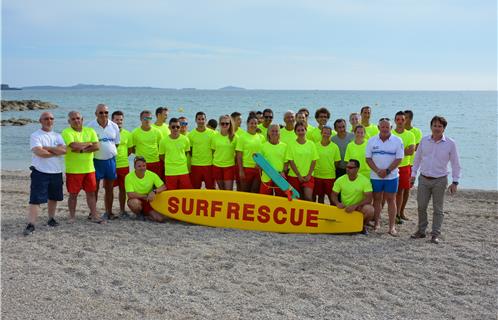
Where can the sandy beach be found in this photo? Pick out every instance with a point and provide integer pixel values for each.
(130, 269)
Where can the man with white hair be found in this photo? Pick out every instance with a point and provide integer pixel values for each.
(48, 148)
(287, 133)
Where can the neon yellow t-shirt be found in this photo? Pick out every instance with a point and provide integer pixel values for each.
(358, 152)
(275, 155)
(316, 135)
(302, 155)
(249, 144)
(125, 142)
(371, 130)
(79, 162)
(240, 132)
(200, 142)
(224, 150)
(264, 131)
(142, 186)
(327, 156)
(352, 192)
(164, 129)
(408, 140)
(418, 137)
(147, 143)
(286, 136)
(175, 159)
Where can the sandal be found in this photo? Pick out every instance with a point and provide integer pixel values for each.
(98, 221)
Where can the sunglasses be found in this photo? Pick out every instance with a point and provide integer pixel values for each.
(268, 117)
(139, 158)
(103, 112)
(147, 118)
(184, 123)
(175, 127)
(350, 167)
(225, 123)
(384, 119)
(48, 118)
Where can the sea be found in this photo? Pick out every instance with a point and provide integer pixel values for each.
(472, 115)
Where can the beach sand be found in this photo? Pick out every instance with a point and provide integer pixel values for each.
(131, 269)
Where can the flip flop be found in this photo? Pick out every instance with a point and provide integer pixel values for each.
(99, 221)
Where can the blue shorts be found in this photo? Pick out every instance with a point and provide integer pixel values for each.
(105, 169)
(45, 186)
(389, 186)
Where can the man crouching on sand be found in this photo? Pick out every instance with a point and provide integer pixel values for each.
(141, 187)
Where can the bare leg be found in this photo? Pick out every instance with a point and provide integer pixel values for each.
(135, 206)
(308, 194)
(368, 213)
(228, 184)
(122, 198)
(51, 207)
(391, 209)
(91, 201)
(321, 199)
(109, 196)
(255, 186)
(377, 208)
(399, 201)
(33, 213)
(71, 203)
(156, 217)
(406, 195)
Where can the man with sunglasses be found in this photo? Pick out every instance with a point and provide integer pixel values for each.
(146, 141)
(173, 153)
(384, 154)
(104, 159)
(48, 147)
(81, 143)
(201, 168)
(356, 193)
(265, 124)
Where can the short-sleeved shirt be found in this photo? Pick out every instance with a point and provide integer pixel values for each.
(342, 144)
(357, 152)
(147, 143)
(200, 142)
(327, 156)
(264, 131)
(79, 162)
(175, 159)
(41, 138)
(315, 134)
(108, 138)
(286, 136)
(383, 153)
(249, 144)
(418, 136)
(126, 142)
(371, 130)
(239, 132)
(275, 155)
(352, 192)
(302, 155)
(408, 140)
(144, 185)
(164, 129)
(224, 150)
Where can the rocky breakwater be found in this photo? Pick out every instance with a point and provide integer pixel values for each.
(23, 105)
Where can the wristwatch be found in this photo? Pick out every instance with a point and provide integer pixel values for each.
(388, 171)
(81, 151)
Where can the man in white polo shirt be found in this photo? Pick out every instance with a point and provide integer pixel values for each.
(105, 158)
(384, 153)
(48, 149)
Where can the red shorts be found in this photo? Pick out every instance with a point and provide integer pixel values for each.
(294, 181)
(77, 181)
(178, 182)
(323, 187)
(224, 173)
(404, 177)
(251, 174)
(156, 167)
(121, 175)
(202, 173)
(146, 208)
(271, 189)
(236, 171)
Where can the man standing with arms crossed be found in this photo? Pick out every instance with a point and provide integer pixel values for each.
(104, 159)
(48, 147)
(384, 153)
(81, 143)
(433, 155)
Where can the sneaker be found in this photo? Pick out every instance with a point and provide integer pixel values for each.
(398, 220)
(52, 223)
(125, 215)
(364, 231)
(29, 229)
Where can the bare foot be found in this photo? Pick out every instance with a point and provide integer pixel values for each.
(376, 227)
(393, 232)
(71, 220)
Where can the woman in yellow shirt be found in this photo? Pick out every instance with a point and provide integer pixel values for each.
(223, 144)
(247, 145)
(356, 149)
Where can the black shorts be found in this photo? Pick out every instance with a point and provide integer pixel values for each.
(45, 186)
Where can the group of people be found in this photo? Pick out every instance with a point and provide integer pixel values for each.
(359, 169)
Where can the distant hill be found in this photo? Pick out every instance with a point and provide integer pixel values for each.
(6, 87)
(231, 88)
(81, 86)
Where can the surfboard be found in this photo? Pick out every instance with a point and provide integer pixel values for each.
(280, 181)
(249, 211)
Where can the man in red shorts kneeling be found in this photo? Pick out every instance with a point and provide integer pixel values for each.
(142, 186)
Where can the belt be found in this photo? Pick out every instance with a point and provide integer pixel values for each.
(431, 178)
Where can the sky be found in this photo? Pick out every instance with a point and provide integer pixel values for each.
(257, 44)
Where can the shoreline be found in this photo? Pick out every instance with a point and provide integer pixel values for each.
(132, 269)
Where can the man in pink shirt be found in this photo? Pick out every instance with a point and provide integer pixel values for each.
(434, 153)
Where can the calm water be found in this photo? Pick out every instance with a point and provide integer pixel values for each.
(472, 116)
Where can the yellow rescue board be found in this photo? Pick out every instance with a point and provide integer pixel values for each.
(249, 211)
